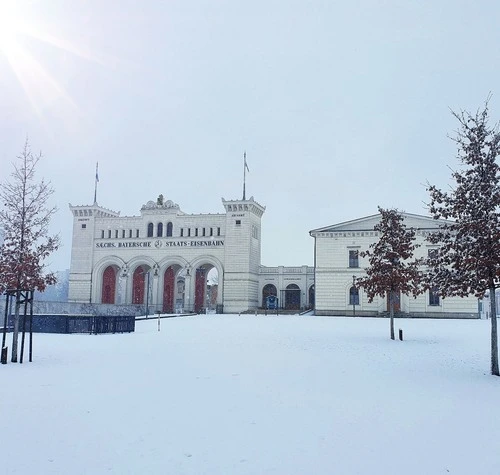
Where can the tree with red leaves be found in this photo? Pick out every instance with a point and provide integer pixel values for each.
(468, 260)
(25, 217)
(392, 268)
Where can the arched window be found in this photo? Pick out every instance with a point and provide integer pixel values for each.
(169, 229)
(150, 229)
(353, 296)
(160, 230)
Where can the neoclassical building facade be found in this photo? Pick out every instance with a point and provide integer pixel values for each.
(337, 262)
(176, 262)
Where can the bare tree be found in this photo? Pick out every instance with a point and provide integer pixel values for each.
(25, 217)
(392, 268)
(468, 260)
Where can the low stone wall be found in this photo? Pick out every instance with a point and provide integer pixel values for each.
(71, 308)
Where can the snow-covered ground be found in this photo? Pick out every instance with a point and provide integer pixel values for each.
(255, 395)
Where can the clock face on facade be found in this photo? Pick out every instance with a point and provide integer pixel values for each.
(158, 244)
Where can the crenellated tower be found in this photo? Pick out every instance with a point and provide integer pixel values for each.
(242, 254)
(82, 251)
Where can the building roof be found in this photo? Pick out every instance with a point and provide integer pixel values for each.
(367, 223)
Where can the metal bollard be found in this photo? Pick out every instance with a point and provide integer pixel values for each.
(5, 350)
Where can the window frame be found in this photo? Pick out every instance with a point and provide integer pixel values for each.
(353, 296)
(353, 261)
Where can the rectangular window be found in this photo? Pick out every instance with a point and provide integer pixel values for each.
(218, 231)
(189, 232)
(433, 297)
(196, 231)
(123, 233)
(431, 253)
(204, 232)
(102, 234)
(353, 258)
(116, 233)
(137, 233)
(238, 222)
(84, 226)
(211, 231)
(182, 232)
(129, 233)
(109, 233)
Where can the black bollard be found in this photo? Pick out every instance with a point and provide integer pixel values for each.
(401, 334)
(4, 354)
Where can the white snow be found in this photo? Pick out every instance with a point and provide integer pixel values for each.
(255, 395)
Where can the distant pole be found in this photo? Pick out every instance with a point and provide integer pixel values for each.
(245, 169)
(96, 181)
(354, 296)
(147, 295)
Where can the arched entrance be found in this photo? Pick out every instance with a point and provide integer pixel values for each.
(199, 288)
(140, 280)
(292, 297)
(311, 296)
(269, 289)
(108, 291)
(173, 290)
(212, 289)
(168, 290)
(206, 288)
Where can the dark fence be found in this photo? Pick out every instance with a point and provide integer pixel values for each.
(92, 324)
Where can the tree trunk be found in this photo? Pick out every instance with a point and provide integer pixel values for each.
(494, 333)
(15, 331)
(391, 312)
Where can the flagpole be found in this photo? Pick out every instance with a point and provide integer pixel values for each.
(96, 180)
(244, 173)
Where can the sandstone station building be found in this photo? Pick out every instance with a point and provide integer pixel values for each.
(178, 262)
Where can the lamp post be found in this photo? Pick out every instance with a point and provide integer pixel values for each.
(354, 296)
(147, 294)
(147, 291)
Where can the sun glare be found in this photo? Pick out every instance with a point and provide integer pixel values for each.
(41, 88)
(10, 26)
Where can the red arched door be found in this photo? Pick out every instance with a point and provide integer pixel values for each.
(199, 289)
(168, 290)
(108, 285)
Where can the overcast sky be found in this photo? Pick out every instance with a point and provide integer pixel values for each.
(341, 106)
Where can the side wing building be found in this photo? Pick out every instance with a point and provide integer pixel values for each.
(337, 262)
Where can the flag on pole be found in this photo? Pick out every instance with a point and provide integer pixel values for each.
(245, 157)
(97, 171)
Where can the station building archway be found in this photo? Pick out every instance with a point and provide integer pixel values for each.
(268, 290)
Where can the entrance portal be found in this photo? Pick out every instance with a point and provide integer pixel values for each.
(206, 289)
(108, 291)
(168, 290)
(292, 297)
